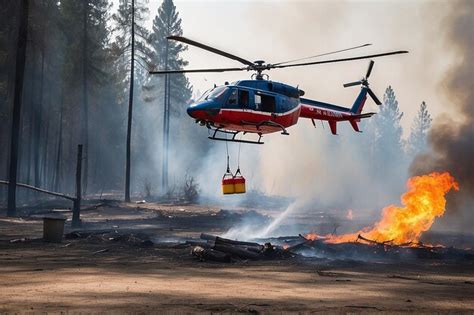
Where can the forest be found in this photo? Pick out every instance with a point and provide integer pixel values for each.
(81, 87)
(86, 81)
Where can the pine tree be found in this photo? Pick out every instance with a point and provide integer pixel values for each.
(388, 129)
(419, 129)
(17, 101)
(87, 59)
(131, 45)
(174, 89)
(389, 160)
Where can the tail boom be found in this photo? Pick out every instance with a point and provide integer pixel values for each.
(332, 113)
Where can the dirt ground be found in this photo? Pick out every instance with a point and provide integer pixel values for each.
(91, 276)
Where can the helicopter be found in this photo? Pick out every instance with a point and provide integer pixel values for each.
(261, 106)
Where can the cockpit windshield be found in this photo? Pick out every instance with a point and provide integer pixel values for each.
(212, 94)
(203, 96)
(216, 93)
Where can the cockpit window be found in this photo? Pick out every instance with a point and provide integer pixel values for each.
(232, 100)
(203, 96)
(216, 93)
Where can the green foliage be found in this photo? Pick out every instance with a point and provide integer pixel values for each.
(167, 55)
(97, 41)
(388, 152)
(419, 130)
(121, 47)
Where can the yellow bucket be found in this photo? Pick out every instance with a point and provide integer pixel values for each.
(228, 184)
(239, 184)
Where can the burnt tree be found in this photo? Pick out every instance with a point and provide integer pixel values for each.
(19, 77)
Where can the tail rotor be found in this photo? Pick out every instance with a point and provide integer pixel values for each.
(365, 83)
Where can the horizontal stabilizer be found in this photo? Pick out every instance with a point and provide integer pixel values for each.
(360, 116)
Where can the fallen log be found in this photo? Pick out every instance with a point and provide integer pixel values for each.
(218, 239)
(236, 251)
(384, 243)
(52, 193)
(199, 243)
(210, 254)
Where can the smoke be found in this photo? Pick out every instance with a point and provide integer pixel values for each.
(252, 229)
(451, 140)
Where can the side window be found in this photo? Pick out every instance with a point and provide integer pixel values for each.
(244, 98)
(258, 102)
(268, 103)
(232, 100)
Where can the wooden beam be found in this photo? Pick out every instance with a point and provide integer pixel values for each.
(53, 193)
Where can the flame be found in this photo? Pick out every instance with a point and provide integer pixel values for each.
(312, 236)
(422, 203)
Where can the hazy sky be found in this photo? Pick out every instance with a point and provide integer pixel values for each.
(280, 30)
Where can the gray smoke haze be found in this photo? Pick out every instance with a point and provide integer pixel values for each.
(451, 141)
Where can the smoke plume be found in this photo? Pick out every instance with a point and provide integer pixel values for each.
(451, 140)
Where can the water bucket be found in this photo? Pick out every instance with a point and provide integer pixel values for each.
(228, 184)
(239, 183)
(53, 229)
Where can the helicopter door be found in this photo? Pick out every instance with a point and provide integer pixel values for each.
(268, 103)
(244, 99)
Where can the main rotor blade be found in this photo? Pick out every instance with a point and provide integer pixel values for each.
(338, 60)
(196, 70)
(369, 69)
(372, 94)
(325, 54)
(211, 49)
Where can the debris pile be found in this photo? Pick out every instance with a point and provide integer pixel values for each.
(364, 248)
(136, 239)
(215, 248)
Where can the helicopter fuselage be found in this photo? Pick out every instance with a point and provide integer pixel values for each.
(260, 106)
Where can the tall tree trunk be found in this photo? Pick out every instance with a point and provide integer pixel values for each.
(38, 121)
(32, 122)
(29, 113)
(44, 167)
(57, 167)
(19, 76)
(130, 110)
(166, 113)
(85, 118)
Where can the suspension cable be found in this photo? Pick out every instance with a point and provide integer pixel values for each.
(238, 156)
(227, 152)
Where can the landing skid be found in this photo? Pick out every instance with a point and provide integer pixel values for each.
(234, 134)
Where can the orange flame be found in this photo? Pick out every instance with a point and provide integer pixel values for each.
(423, 202)
(312, 236)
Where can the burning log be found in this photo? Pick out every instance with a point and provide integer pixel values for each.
(384, 243)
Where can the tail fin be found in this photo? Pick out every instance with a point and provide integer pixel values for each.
(359, 102)
(354, 125)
